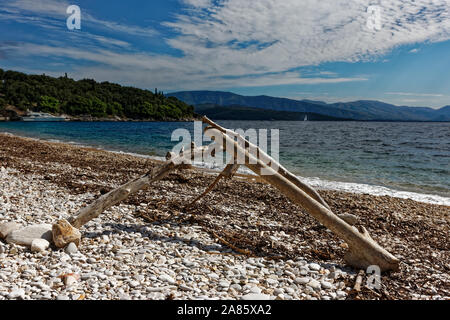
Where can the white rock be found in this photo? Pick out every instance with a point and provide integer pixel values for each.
(314, 266)
(7, 227)
(303, 280)
(71, 248)
(39, 245)
(62, 297)
(70, 280)
(224, 283)
(255, 290)
(255, 296)
(314, 284)
(167, 278)
(17, 293)
(326, 285)
(25, 236)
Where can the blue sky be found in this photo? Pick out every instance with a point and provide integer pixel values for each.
(322, 50)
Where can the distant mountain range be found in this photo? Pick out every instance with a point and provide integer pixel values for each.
(228, 106)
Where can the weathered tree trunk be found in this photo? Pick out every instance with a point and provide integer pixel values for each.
(115, 196)
(363, 251)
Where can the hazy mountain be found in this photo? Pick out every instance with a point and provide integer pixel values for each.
(356, 110)
(236, 112)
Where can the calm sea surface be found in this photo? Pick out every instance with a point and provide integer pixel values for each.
(354, 156)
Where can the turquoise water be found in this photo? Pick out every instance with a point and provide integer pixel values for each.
(411, 157)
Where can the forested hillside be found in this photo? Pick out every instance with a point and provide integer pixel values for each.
(87, 97)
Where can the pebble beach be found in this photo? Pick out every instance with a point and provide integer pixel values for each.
(244, 240)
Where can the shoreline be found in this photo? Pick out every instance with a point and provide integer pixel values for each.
(315, 182)
(241, 225)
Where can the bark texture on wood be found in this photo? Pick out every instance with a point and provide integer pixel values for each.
(363, 250)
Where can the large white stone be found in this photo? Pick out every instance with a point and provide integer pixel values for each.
(39, 245)
(7, 227)
(255, 296)
(25, 236)
(17, 293)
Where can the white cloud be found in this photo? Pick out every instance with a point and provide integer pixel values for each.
(198, 3)
(253, 43)
(275, 36)
(415, 94)
(38, 12)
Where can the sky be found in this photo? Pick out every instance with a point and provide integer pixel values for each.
(330, 50)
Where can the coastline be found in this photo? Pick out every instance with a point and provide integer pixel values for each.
(316, 182)
(277, 233)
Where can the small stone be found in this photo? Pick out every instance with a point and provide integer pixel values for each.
(62, 297)
(6, 228)
(134, 284)
(17, 293)
(236, 287)
(303, 272)
(71, 248)
(64, 233)
(351, 219)
(303, 280)
(314, 284)
(314, 266)
(278, 291)
(166, 278)
(255, 290)
(71, 279)
(25, 236)
(185, 288)
(255, 296)
(326, 285)
(39, 245)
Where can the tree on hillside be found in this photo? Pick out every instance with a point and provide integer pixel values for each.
(49, 104)
(2, 104)
(88, 97)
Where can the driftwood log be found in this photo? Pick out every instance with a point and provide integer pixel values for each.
(363, 250)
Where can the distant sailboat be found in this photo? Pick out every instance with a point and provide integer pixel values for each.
(306, 118)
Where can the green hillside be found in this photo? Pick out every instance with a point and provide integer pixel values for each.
(87, 97)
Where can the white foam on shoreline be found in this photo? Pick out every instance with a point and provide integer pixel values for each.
(352, 187)
(319, 183)
(361, 188)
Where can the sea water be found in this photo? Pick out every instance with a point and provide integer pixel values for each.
(402, 159)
